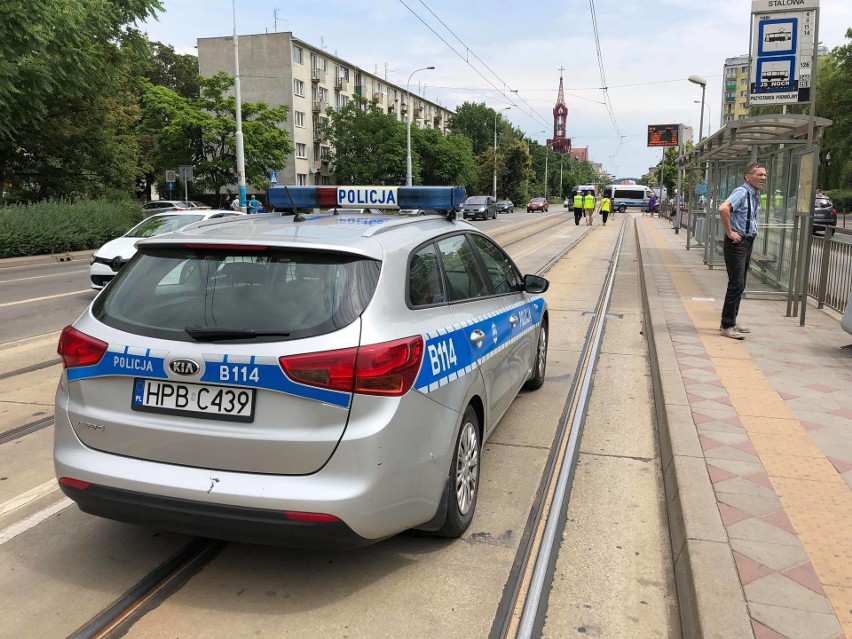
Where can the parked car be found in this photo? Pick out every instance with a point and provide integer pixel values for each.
(824, 213)
(480, 207)
(419, 212)
(195, 204)
(279, 382)
(537, 204)
(112, 256)
(505, 206)
(163, 206)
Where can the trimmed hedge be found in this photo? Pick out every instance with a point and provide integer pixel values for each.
(842, 199)
(59, 227)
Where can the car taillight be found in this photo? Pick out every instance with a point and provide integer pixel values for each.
(79, 349)
(74, 483)
(312, 518)
(387, 369)
(834, 211)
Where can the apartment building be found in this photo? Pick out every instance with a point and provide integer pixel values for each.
(734, 90)
(279, 69)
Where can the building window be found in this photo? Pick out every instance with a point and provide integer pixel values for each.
(302, 179)
(300, 119)
(344, 100)
(297, 54)
(743, 94)
(299, 88)
(325, 152)
(744, 81)
(323, 94)
(301, 150)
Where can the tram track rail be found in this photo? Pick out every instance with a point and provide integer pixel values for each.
(26, 429)
(522, 608)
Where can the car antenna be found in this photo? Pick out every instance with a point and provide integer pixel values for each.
(297, 217)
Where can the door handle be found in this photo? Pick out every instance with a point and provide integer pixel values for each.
(477, 337)
(513, 320)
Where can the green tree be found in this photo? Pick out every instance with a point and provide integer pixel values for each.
(201, 132)
(369, 145)
(443, 160)
(476, 122)
(57, 57)
(834, 101)
(514, 179)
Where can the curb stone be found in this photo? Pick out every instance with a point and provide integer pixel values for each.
(710, 597)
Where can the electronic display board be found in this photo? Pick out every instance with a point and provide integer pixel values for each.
(662, 135)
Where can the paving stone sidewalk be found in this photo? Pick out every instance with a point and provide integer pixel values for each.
(772, 418)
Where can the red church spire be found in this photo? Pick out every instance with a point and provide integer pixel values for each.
(559, 142)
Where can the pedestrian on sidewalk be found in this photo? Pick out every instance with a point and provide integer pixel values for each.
(578, 207)
(589, 207)
(739, 215)
(605, 204)
(235, 203)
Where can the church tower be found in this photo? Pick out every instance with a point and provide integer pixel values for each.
(559, 142)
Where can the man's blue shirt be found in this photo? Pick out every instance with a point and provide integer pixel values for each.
(739, 200)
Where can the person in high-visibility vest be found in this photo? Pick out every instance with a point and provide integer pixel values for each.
(763, 201)
(605, 205)
(589, 207)
(779, 201)
(578, 207)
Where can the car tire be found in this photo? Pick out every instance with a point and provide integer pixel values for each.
(464, 477)
(622, 209)
(536, 381)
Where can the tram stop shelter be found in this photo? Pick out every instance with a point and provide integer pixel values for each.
(788, 145)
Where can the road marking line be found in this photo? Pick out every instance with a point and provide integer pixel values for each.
(46, 297)
(29, 496)
(8, 534)
(38, 277)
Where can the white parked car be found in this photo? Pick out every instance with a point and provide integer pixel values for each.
(108, 260)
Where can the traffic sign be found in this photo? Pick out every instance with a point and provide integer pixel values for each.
(273, 177)
(171, 176)
(782, 51)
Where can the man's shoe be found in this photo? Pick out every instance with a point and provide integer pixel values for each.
(742, 329)
(732, 332)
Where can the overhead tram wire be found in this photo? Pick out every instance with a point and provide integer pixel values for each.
(531, 113)
(601, 68)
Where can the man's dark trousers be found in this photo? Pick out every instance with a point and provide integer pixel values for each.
(578, 215)
(737, 258)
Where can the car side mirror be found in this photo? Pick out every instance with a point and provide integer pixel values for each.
(535, 284)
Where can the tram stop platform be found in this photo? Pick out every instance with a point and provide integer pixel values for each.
(756, 445)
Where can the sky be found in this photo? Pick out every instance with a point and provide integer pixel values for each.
(509, 53)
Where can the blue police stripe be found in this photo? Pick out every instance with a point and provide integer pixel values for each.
(268, 376)
(122, 363)
(448, 354)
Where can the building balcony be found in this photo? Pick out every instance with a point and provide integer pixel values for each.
(377, 96)
(317, 75)
(730, 99)
(341, 84)
(730, 86)
(319, 106)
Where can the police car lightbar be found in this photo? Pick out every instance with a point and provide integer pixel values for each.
(439, 198)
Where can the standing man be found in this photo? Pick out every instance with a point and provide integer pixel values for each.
(739, 215)
(605, 205)
(589, 207)
(578, 207)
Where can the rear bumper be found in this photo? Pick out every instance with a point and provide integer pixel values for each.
(234, 523)
(386, 476)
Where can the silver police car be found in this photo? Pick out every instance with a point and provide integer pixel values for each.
(321, 382)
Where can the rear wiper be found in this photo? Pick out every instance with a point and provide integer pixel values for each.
(209, 333)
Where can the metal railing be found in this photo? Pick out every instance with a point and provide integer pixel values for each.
(831, 268)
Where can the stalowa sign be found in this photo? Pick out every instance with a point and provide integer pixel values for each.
(782, 51)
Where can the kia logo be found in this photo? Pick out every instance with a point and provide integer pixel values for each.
(183, 366)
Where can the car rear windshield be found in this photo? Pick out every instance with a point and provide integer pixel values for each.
(823, 202)
(204, 294)
(166, 224)
(476, 199)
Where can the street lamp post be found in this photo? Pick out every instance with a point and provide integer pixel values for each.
(241, 158)
(496, 114)
(697, 79)
(408, 124)
(709, 114)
